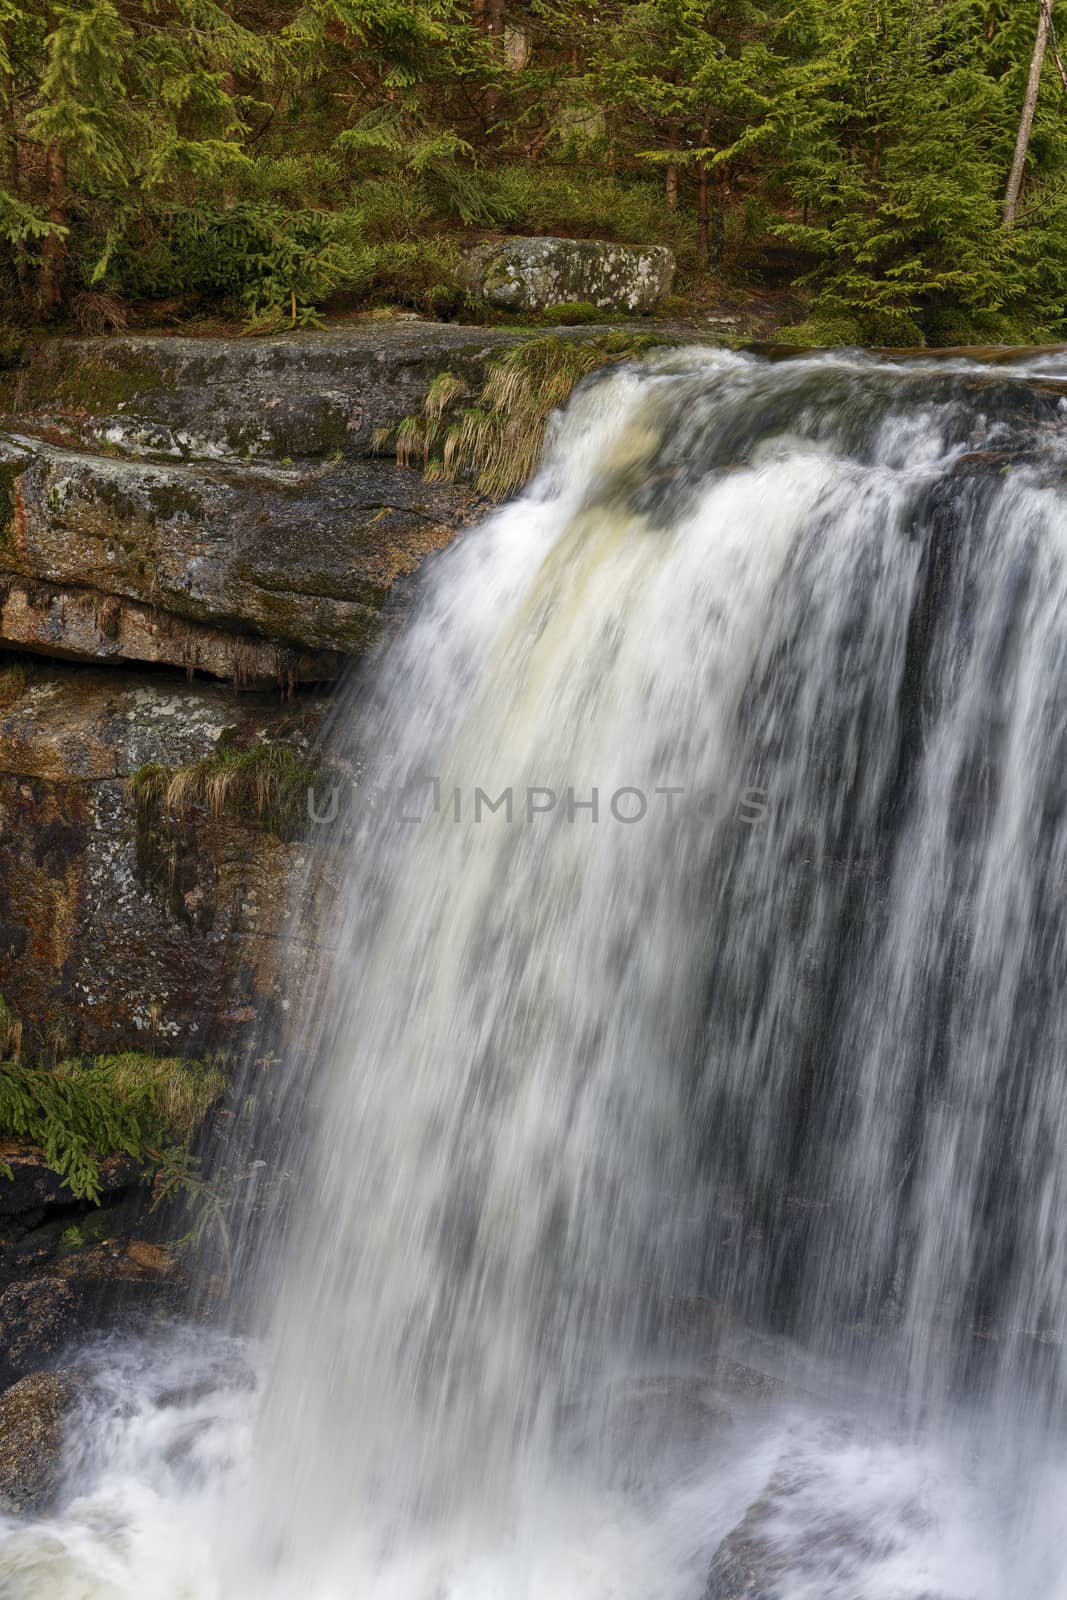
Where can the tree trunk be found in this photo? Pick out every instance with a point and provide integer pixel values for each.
(11, 165)
(703, 211)
(703, 218)
(55, 246)
(494, 28)
(1026, 121)
(671, 188)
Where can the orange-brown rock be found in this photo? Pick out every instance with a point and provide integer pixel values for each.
(75, 624)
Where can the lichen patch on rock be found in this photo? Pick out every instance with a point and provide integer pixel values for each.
(525, 274)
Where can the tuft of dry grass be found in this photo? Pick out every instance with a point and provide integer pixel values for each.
(495, 443)
(95, 312)
(266, 783)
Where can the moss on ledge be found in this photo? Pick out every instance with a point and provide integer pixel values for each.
(46, 379)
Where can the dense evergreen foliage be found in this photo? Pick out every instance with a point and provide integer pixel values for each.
(261, 156)
(147, 1107)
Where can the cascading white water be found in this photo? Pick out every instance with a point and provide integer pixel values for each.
(685, 1109)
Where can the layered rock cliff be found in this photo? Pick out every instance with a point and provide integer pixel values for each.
(196, 536)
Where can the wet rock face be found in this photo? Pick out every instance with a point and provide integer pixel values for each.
(121, 933)
(217, 505)
(115, 1281)
(40, 1319)
(212, 505)
(251, 574)
(534, 274)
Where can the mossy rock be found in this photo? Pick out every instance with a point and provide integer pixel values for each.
(828, 330)
(535, 274)
(69, 377)
(894, 330)
(949, 328)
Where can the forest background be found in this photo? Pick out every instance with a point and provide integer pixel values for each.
(898, 168)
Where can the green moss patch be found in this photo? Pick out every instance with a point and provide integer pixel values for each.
(572, 314)
(60, 379)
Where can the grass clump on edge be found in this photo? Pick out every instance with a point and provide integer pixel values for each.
(177, 1092)
(495, 443)
(265, 783)
(84, 1110)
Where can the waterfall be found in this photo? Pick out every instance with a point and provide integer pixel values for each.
(679, 1106)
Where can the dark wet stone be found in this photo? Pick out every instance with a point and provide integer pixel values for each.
(32, 1183)
(792, 1540)
(115, 1281)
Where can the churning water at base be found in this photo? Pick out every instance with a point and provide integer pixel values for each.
(684, 1187)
